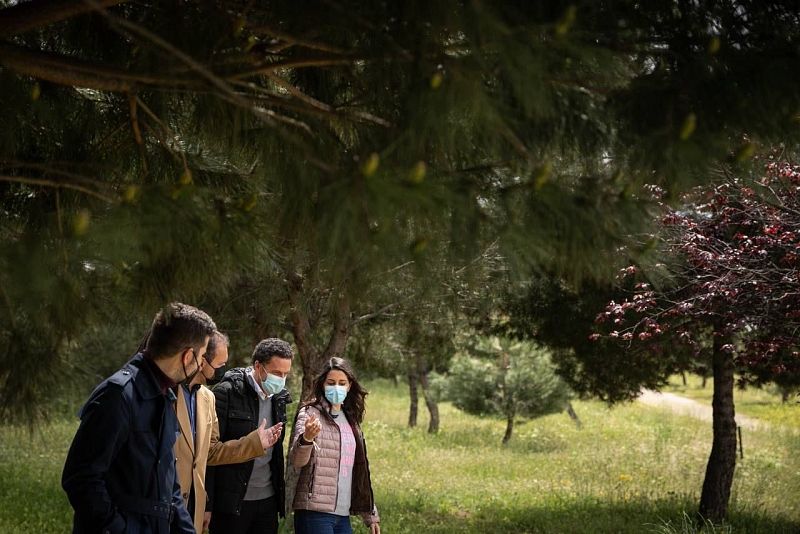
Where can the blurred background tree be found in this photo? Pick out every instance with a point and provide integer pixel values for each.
(508, 378)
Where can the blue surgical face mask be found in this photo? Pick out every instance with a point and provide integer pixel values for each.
(273, 384)
(335, 394)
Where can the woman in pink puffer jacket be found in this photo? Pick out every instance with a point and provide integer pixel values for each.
(329, 449)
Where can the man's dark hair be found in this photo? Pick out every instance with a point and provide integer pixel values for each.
(177, 327)
(267, 348)
(217, 338)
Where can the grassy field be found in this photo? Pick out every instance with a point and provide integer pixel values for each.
(630, 469)
(764, 404)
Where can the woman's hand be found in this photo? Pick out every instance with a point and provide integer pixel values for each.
(375, 528)
(312, 429)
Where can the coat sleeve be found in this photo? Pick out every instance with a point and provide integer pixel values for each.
(104, 429)
(300, 455)
(233, 451)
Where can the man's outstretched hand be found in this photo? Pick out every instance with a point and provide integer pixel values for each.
(269, 436)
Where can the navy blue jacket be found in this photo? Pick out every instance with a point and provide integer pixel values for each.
(120, 470)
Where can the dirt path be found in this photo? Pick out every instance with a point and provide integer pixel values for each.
(684, 406)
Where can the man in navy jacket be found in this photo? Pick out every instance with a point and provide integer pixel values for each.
(119, 474)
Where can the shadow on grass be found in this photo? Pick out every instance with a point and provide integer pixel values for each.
(566, 516)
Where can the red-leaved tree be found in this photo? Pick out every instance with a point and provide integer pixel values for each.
(726, 288)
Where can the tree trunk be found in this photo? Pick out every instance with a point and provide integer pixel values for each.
(573, 415)
(509, 428)
(683, 377)
(722, 461)
(508, 399)
(414, 394)
(705, 379)
(430, 403)
(311, 358)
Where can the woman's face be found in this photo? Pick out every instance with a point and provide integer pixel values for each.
(337, 378)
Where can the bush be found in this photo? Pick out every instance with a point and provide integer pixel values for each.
(508, 378)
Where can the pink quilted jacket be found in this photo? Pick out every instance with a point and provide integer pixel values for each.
(319, 464)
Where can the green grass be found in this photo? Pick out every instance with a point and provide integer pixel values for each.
(762, 403)
(31, 499)
(630, 469)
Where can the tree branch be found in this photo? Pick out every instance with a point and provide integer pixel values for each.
(48, 169)
(377, 313)
(78, 73)
(298, 41)
(50, 183)
(294, 64)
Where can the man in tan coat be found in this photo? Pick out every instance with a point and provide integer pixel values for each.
(198, 444)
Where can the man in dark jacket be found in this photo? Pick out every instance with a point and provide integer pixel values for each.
(249, 497)
(119, 474)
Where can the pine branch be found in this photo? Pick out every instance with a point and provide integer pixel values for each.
(297, 93)
(179, 156)
(78, 73)
(322, 106)
(49, 169)
(226, 91)
(26, 16)
(380, 312)
(298, 63)
(50, 183)
(296, 41)
(137, 132)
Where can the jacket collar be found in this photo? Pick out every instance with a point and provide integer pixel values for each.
(250, 378)
(148, 384)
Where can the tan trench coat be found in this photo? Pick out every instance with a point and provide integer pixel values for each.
(192, 456)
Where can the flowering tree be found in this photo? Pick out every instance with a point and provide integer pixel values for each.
(726, 289)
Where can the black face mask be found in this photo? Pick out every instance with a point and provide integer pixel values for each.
(219, 373)
(186, 381)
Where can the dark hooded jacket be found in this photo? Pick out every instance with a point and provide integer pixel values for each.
(237, 411)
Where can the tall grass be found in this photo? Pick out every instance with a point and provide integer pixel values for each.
(629, 469)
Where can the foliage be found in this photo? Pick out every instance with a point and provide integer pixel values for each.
(731, 270)
(561, 316)
(508, 378)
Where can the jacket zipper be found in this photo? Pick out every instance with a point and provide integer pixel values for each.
(339, 465)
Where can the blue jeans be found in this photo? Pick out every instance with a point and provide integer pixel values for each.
(308, 522)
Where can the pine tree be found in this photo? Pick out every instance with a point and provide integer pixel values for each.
(171, 150)
(508, 378)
